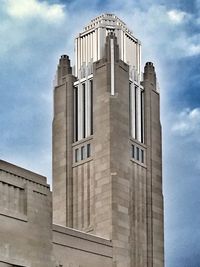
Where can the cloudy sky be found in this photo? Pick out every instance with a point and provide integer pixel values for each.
(34, 33)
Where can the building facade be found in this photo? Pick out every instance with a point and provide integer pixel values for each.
(107, 165)
(27, 236)
(107, 150)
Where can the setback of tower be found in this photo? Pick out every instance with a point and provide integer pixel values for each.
(89, 45)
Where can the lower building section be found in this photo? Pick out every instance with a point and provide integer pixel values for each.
(73, 248)
(25, 218)
(29, 239)
(27, 236)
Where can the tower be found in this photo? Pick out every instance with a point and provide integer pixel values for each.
(107, 155)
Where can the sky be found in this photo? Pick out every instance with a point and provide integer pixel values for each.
(35, 33)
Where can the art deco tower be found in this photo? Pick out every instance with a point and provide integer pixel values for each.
(107, 156)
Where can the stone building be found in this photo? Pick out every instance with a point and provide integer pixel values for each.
(107, 164)
(27, 236)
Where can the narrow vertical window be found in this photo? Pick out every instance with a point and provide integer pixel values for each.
(75, 114)
(112, 66)
(142, 156)
(135, 112)
(132, 110)
(88, 151)
(82, 152)
(84, 113)
(142, 116)
(137, 153)
(133, 151)
(76, 155)
(91, 101)
(130, 115)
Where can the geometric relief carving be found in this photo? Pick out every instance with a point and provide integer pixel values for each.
(12, 198)
(83, 200)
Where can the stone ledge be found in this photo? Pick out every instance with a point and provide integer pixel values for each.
(13, 215)
(23, 173)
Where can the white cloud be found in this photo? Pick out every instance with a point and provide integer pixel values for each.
(194, 49)
(35, 26)
(187, 123)
(165, 30)
(23, 9)
(177, 16)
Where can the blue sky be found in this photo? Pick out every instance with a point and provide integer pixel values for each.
(35, 33)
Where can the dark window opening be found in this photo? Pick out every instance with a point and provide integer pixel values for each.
(135, 112)
(84, 113)
(91, 101)
(142, 117)
(142, 156)
(137, 153)
(133, 151)
(130, 115)
(75, 114)
(76, 155)
(88, 151)
(82, 152)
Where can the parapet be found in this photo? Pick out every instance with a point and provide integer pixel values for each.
(23, 173)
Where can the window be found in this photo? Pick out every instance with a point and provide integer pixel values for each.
(135, 112)
(130, 115)
(142, 156)
(75, 114)
(133, 151)
(76, 155)
(137, 153)
(142, 117)
(84, 113)
(82, 152)
(88, 151)
(91, 101)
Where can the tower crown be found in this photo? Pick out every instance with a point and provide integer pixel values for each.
(107, 20)
(90, 45)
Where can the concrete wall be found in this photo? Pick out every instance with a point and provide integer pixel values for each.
(111, 154)
(25, 218)
(62, 144)
(73, 248)
(27, 236)
(153, 141)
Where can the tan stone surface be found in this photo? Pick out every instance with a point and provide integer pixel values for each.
(126, 202)
(25, 218)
